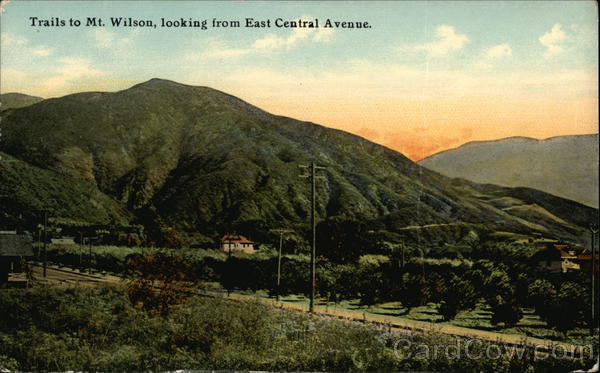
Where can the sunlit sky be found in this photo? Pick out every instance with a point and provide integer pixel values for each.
(425, 77)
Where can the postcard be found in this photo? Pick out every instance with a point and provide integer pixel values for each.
(299, 186)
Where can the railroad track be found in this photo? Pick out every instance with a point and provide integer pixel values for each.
(60, 275)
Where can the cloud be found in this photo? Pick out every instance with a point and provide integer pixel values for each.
(104, 39)
(13, 79)
(71, 70)
(112, 41)
(9, 40)
(360, 78)
(499, 51)
(269, 42)
(219, 49)
(19, 47)
(324, 34)
(42, 51)
(3, 4)
(272, 41)
(553, 40)
(448, 40)
(484, 62)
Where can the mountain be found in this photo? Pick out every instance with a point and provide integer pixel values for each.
(566, 166)
(17, 100)
(199, 160)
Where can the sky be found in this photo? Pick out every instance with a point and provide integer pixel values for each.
(424, 77)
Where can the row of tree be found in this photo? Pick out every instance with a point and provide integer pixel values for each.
(452, 285)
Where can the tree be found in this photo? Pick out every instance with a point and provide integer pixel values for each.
(342, 240)
(458, 295)
(414, 291)
(171, 239)
(346, 282)
(562, 309)
(370, 278)
(505, 311)
(159, 281)
(496, 287)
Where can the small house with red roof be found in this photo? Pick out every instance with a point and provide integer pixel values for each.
(236, 242)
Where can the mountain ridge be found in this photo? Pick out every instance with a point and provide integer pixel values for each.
(502, 140)
(198, 159)
(563, 165)
(15, 100)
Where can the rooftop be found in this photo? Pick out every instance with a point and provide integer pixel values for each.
(15, 245)
(235, 238)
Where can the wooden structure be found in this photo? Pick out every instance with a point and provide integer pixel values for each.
(14, 248)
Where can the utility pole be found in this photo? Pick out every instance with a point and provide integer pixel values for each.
(45, 241)
(230, 238)
(281, 232)
(594, 231)
(312, 169)
(422, 263)
(39, 241)
(90, 261)
(81, 247)
(402, 246)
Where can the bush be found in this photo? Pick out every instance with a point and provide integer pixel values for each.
(97, 329)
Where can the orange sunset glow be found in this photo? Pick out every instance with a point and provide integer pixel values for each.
(419, 128)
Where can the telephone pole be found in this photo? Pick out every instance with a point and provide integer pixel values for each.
(229, 240)
(90, 260)
(45, 241)
(281, 232)
(312, 169)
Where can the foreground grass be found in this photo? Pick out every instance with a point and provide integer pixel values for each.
(97, 329)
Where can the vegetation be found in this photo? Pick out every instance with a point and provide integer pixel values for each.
(98, 329)
(17, 100)
(498, 276)
(167, 165)
(181, 160)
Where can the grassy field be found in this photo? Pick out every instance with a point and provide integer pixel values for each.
(98, 329)
(479, 318)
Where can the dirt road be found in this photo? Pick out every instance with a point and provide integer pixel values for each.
(68, 276)
(427, 327)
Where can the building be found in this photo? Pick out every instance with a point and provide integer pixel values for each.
(236, 242)
(585, 261)
(548, 258)
(13, 249)
(559, 258)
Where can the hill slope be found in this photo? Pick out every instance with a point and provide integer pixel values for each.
(566, 166)
(198, 159)
(17, 100)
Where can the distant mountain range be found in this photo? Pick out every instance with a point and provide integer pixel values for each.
(199, 160)
(17, 100)
(566, 166)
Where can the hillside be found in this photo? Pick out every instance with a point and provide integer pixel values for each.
(565, 166)
(17, 100)
(196, 159)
